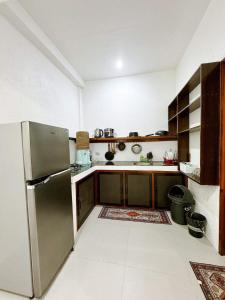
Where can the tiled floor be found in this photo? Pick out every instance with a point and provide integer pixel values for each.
(120, 260)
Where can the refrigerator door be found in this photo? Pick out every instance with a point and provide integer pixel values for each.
(46, 149)
(51, 227)
(15, 259)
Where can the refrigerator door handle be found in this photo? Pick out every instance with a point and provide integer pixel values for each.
(58, 174)
(33, 186)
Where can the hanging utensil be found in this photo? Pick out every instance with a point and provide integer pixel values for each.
(109, 155)
(121, 146)
(113, 148)
(136, 149)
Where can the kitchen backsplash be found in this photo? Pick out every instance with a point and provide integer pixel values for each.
(98, 151)
(157, 148)
(72, 146)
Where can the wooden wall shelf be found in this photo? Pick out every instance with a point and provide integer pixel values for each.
(191, 107)
(191, 129)
(192, 177)
(173, 117)
(132, 139)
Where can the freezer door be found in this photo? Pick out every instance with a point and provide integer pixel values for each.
(45, 148)
(51, 227)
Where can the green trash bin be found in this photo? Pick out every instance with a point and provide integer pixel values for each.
(182, 202)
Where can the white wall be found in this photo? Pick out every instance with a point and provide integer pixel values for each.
(207, 45)
(31, 87)
(207, 203)
(134, 103)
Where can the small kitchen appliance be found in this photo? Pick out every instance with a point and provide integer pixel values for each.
(83, 157)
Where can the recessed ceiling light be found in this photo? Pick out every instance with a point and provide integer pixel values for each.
(119, 64)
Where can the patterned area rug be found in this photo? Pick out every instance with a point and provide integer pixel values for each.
(136, 215)
(212, 280)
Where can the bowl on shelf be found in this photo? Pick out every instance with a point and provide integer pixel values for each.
(133, 134)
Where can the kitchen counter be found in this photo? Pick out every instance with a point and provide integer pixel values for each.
(119, 166)
(125, 163)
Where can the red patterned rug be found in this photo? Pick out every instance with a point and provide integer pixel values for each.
(212, 280)
(136, 215)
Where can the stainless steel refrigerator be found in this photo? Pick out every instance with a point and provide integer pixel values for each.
(36, 222)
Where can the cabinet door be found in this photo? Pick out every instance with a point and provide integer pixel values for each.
(162, 184)
(139, 190)
(85, 199)
(111, 188)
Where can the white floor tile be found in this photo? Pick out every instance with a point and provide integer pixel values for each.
(154, 236)
(9, 296)
(103, 242)
(83, 279)
(164, 261)
(121, 260)
(145, 284)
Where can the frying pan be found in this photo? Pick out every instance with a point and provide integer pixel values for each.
(121, 146)
(109, 155)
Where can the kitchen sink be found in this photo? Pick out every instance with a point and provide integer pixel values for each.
(140, 163)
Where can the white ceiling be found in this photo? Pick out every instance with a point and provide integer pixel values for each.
(147, 35)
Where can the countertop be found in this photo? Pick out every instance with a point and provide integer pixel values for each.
(121, 166)
(125, 163)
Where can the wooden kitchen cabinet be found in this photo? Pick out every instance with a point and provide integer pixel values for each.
(85, 198)
(138, 188)
(110, 188)
(162, 183)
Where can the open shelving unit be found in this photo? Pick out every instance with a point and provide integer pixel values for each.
(196, 110)
(191, 129)
(172, 115)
